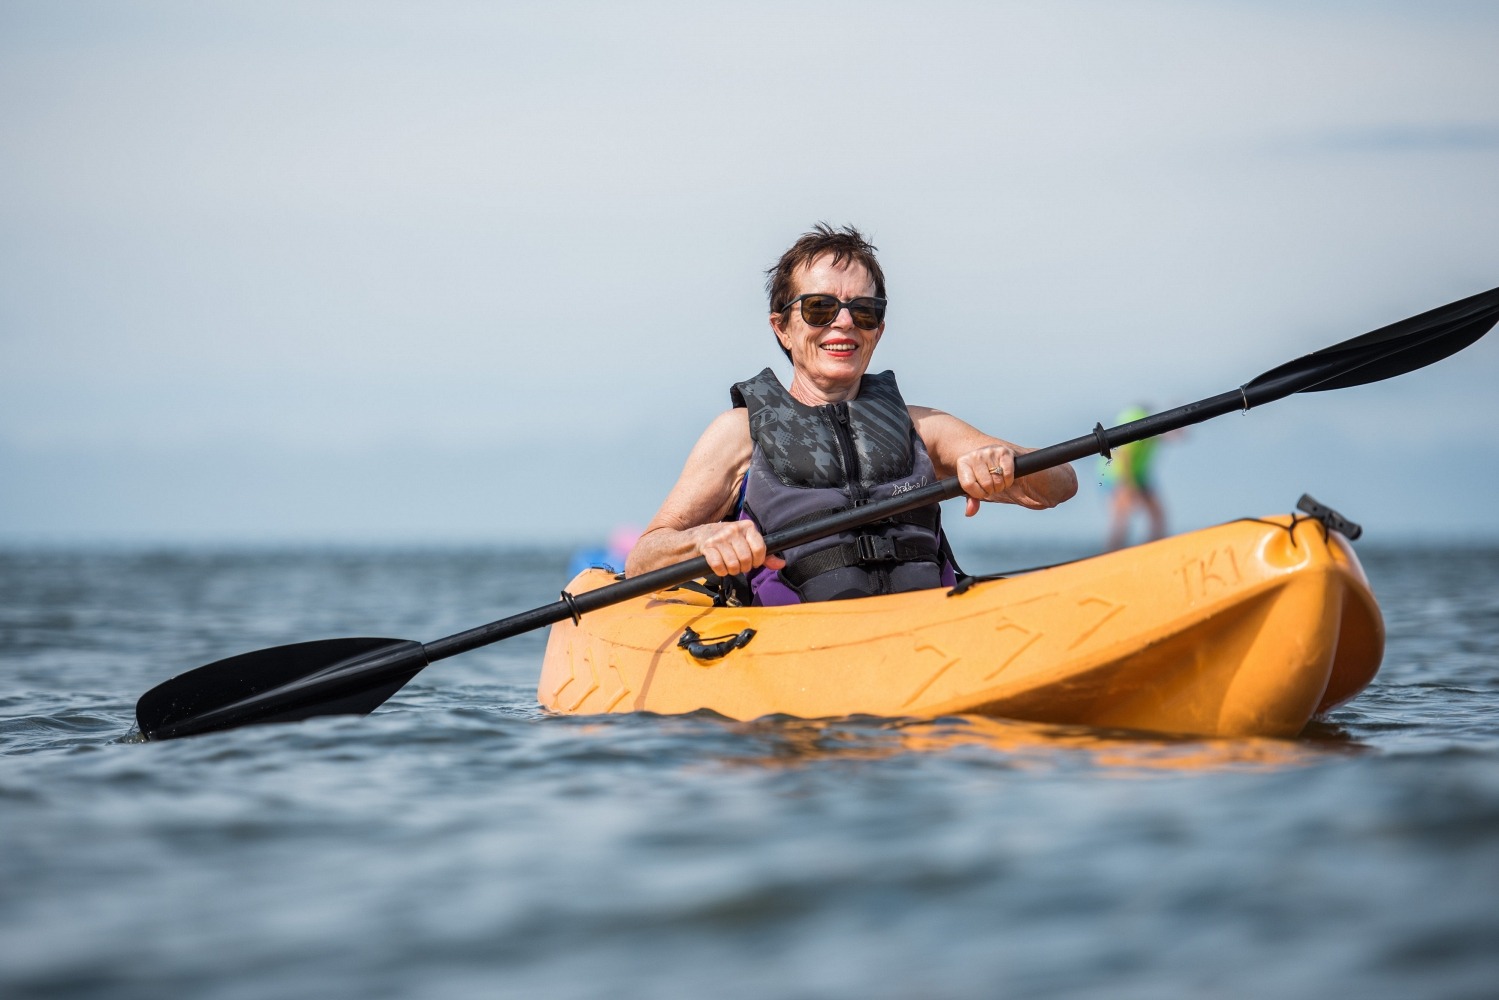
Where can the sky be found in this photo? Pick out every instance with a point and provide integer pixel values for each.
(471, 273)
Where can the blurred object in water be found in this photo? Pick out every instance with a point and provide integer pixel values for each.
(611, 556)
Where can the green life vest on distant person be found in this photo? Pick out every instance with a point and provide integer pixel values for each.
(1131, 462)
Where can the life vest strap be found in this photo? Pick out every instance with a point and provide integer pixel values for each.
(866, 550)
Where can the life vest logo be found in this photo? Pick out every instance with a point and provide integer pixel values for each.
(908, 487)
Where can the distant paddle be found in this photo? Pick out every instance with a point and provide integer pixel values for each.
(356, 676)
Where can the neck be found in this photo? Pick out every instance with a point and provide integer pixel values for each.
(806, 391)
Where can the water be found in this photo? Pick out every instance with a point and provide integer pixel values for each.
(458, 843)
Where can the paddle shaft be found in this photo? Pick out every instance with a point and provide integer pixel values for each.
(846, 520)
(1100, 442)
(184, 705)
(347, 676)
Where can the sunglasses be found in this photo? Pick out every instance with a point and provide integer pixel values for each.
(820, 309)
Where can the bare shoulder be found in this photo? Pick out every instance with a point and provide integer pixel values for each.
(937, 427)
(729, 429)
(725, 446)
(709, 482)
(925, 414)
(720, 457)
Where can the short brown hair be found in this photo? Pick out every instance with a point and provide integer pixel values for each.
(846, 244)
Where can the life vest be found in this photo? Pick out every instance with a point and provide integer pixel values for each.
(808, 461)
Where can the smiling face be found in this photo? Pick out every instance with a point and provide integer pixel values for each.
(828, 361)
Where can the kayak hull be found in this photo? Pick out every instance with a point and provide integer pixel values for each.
(1250, 628)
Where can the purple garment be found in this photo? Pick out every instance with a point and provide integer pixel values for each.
(770, 590)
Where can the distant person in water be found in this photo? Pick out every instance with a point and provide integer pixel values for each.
(833, 439)
(1129, 479)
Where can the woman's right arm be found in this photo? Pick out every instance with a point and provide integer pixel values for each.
(690, 522)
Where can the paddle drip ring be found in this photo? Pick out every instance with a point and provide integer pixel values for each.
(572, 607)
(1103, 442)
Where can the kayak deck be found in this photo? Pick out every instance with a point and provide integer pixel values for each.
(1250, 628)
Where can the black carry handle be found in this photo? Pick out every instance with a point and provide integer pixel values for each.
(1331, 519)
(715, 646)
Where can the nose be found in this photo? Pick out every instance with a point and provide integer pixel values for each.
(844, 320)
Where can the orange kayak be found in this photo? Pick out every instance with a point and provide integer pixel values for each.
(1250, 628)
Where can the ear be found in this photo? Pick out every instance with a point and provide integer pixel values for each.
(778, 325)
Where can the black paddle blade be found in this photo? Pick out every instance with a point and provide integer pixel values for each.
(281, 684)
(1389, 351)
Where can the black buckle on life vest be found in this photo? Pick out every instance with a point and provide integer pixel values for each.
(875, 548)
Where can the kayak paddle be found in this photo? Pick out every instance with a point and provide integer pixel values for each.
(356, 676)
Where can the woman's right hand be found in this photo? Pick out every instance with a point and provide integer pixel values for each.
(732, 547)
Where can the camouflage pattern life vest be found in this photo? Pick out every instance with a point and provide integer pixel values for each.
(810, 460)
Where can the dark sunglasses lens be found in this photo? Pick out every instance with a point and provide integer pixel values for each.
(865, 316)
(819, 310)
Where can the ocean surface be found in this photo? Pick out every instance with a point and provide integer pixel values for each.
(461, 843)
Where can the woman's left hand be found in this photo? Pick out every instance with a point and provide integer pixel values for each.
(985, 473)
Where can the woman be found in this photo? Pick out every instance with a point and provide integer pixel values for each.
(834, 438)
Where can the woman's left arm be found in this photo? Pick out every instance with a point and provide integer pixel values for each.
(985, 465)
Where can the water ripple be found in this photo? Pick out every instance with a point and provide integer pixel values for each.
(462, 843)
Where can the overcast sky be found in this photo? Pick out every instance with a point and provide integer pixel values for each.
(482, 272)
